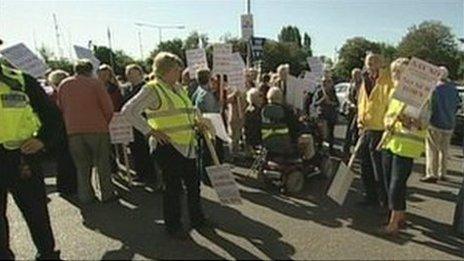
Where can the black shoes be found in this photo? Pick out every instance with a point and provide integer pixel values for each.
(430, 179)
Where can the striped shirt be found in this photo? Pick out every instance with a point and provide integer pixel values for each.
(148, 98)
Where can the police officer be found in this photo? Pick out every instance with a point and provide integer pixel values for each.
(30, 126)
(171, 125)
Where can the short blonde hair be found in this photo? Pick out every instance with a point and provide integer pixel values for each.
(275, 95)
(444, 73)
(56, 77)
(164, 62)
(133, 66)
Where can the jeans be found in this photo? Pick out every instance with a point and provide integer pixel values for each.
(92, 150)
(30, 197)
(397, 170)
(371, 167)
(176, 169)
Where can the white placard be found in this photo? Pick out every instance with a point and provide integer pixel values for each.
(196, 59)
(417, 82)
(247, 26)
(218, 123)
(316, 65)
(121, 131)
(25, 60)
(296, 92)
(224, 184)
(222, 58)
(341, 184)
(236, 76)
(310, 81)
(85, 53)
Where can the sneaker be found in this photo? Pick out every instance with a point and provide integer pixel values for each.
(430, 179)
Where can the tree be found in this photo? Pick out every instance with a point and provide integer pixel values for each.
(118, 59)
(174, 46)
(433, 42)
(49, 58)
(307, 44)
(290, 34)
(195, 40)
(276, 53)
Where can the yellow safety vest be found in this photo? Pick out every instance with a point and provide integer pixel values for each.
(17, 118)
(403, 142)
(175, 116)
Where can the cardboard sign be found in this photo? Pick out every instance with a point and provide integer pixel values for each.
(236, 76)
(25, 60)
(296, 92)
(196, 59)
(218, 123)
(310, 81)
(121, 131)
(222, 58)
(247, 26)
(316, 66)
(85, 53)
(341, 184)
(417, 82)
(224, 184)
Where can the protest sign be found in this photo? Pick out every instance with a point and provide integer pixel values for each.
(417, 82)
(85, 53)
(310, 81)
(218, 123)
(222, 58)
(121, 131)
(236, 75)
(296, 92)
(25, 60)
(196, 59)
(224, 184)
(247, 26)
(341, 184)
(316, 65)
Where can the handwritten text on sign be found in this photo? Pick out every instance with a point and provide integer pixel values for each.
(196, 59)
(222, 58)
(121, 131)
(24, 59)
(224, 183)
(417, 82)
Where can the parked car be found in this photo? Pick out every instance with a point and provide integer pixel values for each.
(342, 90)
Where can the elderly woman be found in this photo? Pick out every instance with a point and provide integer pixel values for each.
(404, 142)
(252, 125)
(326, 103)
(54, 80)
(107, 76)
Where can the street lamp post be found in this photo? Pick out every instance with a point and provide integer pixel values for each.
(160, 28)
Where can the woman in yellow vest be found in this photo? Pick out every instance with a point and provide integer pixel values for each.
(404, 142)
(170, 125)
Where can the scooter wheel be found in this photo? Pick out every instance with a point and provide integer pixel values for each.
(294, 182)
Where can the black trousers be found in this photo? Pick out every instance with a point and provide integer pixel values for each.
(143, 162)
(371, 167)
(30, 197)
(177, 169)
(66, 177)
(351, 135)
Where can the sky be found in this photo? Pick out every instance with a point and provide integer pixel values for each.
(329, 22)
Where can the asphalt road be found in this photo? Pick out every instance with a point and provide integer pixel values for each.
(266, 226)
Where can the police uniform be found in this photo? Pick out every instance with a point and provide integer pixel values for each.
(25, 113)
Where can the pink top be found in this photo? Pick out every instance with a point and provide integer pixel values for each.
(86, 106)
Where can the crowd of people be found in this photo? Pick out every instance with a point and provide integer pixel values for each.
(170, 152)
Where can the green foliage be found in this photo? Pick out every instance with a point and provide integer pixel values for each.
(433, 42)
(307, 44)
(276, 53)
(55, 63)
(117, 59)
(290, 34)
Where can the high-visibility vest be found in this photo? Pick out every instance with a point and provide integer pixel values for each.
(17, 118)
(175, 116)
(271, 128)
(402, 141)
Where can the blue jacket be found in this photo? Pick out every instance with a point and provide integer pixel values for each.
(205, 100)
(444, 104)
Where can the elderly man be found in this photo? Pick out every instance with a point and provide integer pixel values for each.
(444, 104)
(87, 110)
(170, 124)
(372, 105)
(283, 71)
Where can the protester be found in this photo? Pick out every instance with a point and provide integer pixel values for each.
(87, 111)
(66, 176)
(264, 86)
(444, 104)
(23, 143)
(108, 78)
(144, 164)
(251, 76)
(372, 105)
(283, 71)
(405, 142)
(252, 126)
(351, 135)
(190, 83)
(326, 103)
(170, 126)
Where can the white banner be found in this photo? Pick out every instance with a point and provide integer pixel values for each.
(236, 76)
(224, 184)
(316, 66)
(222, 58)
(121, 131)
(417, 82)
(218, 123)
(85, 53)
(196, 59)
(247, 26)
(25, 60)
(296, 92)
(341, 184)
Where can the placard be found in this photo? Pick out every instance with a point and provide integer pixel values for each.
(236, 76)
(341, 184)
(247, 26)
(196, 59)
(296, 92)
(25, 60)
(222, 58)
(218, 123)
(417, 82)
(224, 184)
(316, 66)
(85, 53)
(121, 131)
